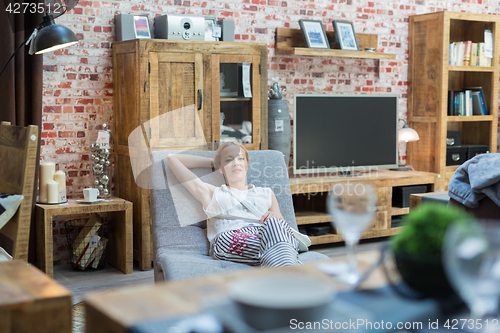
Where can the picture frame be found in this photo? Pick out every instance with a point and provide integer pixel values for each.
(345, 35)
(314, 34)
(212, 29)
(141, 26)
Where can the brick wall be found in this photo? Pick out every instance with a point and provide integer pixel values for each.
(78, 93)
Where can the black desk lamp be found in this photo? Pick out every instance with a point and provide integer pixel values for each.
(47, 37)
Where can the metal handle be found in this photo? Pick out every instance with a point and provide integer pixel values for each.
(455, 157)
(200, 96)
(450, 141)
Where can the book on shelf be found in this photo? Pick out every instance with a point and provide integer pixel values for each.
(476, 102)
(482, 99)
(468, 53)
(473, 54)
(467, 102)
(482, 59)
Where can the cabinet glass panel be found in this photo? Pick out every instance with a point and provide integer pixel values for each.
(236, 102)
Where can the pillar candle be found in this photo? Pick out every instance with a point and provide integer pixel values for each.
(52, 192)
(60, 178)
(47, 170)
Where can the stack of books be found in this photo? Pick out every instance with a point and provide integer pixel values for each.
(467, 102)
(468, 54)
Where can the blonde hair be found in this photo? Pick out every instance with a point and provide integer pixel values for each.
(218, 153)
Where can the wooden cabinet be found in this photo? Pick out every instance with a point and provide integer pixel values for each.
(310, 192)
(169, 95)
(430, 77)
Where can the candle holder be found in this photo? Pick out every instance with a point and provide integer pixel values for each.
(100, 162)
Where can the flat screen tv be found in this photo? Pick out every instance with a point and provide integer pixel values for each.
(341, 133)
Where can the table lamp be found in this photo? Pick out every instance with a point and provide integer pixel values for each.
(47, 37)
(406, 134)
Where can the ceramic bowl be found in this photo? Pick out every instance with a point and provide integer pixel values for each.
(273, 301)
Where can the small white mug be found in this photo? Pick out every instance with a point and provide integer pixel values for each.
(90, 194)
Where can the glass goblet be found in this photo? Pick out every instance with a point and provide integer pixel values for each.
(471, 258)
(352, 206)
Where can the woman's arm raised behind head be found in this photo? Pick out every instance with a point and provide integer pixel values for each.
(180, 165)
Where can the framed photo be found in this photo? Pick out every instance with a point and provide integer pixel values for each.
(141, 26)
(314, 34)
(346, 37)
(212, 29)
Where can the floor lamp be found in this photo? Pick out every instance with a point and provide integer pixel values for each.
(47, 37)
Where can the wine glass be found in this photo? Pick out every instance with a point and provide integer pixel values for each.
(471, 258)
(352, 206)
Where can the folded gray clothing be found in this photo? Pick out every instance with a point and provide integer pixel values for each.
(477, 179)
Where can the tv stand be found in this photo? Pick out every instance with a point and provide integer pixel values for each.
(309, 194)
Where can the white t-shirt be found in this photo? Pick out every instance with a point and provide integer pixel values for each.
(223, 202)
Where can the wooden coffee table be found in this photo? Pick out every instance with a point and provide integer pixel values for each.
(120, 251)
(119, 310)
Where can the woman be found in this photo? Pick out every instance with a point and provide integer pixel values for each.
(233, 229)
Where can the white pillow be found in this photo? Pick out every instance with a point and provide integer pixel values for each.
(8, 206)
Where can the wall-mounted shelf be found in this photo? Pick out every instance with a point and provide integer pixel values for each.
(291, 42)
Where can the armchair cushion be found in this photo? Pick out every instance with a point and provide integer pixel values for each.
(8, 206)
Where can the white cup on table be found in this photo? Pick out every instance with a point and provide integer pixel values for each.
(90, 194)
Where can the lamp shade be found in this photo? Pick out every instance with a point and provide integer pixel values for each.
(407, 134)
(53, 37)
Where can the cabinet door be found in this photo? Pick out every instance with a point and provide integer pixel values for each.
(176, 109)
(236, 97)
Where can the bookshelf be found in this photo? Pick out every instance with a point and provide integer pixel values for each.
(430, 77)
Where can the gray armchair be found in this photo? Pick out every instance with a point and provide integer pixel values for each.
(181, 252)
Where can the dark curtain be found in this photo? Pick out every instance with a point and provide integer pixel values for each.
(21, 83)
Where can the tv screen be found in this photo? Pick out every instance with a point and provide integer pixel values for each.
(333, 133)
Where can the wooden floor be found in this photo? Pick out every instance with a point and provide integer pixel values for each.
(81, 283)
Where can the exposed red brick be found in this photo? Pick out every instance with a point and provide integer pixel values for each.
(50, 109)
(66, 134)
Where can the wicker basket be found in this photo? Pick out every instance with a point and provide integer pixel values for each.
(87, 244)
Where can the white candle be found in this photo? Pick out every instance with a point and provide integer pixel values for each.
(52, 191)
(47, 170)
(60, 178)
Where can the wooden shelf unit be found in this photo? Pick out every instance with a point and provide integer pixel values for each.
(291, 42)
(430, 77)
(310, 191)
(155, 80)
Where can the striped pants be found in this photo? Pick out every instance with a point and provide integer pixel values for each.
(271, 244)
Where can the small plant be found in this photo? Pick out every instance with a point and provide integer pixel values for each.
(275, 92)
(424, 229)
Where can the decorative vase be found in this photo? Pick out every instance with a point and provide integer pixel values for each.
(101, 164)
(279, 130)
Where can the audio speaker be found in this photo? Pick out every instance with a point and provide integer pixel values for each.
(227, 30)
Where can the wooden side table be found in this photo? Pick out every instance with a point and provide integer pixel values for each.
(120, 251)
(30, 301)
